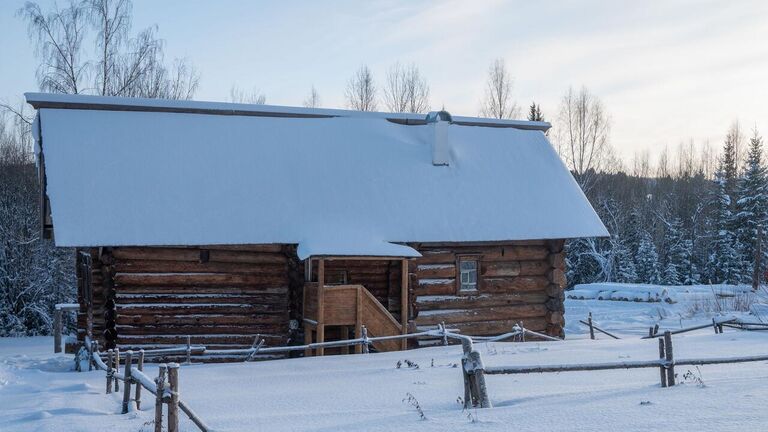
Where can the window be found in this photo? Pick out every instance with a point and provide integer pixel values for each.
(467, 274)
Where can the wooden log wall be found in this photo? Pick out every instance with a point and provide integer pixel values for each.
(222, 296)
(518, 281)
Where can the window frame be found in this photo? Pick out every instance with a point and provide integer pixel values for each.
(468, 257)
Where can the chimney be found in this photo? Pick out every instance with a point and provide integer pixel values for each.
(438, 122)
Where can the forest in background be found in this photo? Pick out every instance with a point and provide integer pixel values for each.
(695, 215)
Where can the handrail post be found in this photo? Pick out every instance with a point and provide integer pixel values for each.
(127, 384)
(670, 358)
(160, 383)
(364, 337)
(110, 360)
(189, 349)
(140, 367)
(173, 404)
(591, 327)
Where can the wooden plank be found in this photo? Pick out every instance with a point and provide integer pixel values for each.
(404, 302)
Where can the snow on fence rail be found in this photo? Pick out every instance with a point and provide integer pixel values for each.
(474, 371)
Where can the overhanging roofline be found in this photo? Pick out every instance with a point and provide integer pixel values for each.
(112, 103)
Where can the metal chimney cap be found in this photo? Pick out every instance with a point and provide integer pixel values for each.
(436, 116)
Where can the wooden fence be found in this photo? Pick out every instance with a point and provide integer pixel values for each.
(474, 371)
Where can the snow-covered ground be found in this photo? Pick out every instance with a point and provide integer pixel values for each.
(38, 391)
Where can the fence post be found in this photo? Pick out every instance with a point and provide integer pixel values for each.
(445, 333)
(117, 368)
(662, 369)
(478, 377)
(140, 367)
(160, 382)
(110, 359)
(173, 404)
(94, 351)
(466, 345)
(127, 383)
(670, 358)
(591, 327)
(189, 349)
(57, 330)
(364, 336)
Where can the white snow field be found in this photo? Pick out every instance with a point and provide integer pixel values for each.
(40, 392)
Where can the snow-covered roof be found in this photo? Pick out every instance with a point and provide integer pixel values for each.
(148, 172)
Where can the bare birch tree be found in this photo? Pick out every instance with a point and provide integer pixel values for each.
(253, 96)
(406, 90)
(361, 90)
(58, 37)
(583, 129)
(313, 99)
(123, 66)
(498, 101)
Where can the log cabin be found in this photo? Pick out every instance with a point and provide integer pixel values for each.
(224, 221)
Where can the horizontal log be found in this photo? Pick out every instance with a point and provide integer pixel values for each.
(273, 247)
(196, 329)
(482, 314)
(158, 266)
(534, 268)
(229, 290)
(511, 284)
(245, 339)
(203, 320)
(497, 269)
(479, 301)
(194, 255)
(436, 271)
(197, 279)
(180, 309)
(193, 298)
(435, 287)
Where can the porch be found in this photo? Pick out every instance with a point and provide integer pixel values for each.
(339, 299)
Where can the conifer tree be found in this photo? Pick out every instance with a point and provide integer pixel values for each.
(647, 260)
(752, 206)
(724, 260)
(534, 113)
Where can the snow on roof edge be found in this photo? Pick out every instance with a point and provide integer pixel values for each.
(78, 101)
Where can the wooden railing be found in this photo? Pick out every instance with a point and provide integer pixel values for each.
(346, 306)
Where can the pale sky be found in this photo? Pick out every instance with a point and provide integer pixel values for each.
(667, 71)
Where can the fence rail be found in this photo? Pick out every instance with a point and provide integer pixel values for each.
(473, 370)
